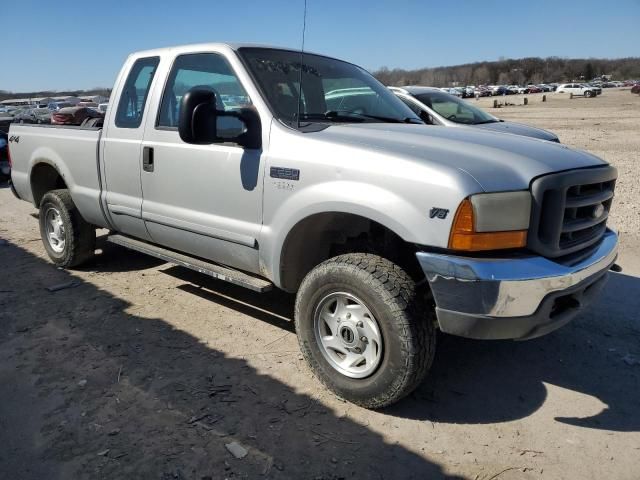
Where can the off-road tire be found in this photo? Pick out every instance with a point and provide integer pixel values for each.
(405, 318)
(80, 237)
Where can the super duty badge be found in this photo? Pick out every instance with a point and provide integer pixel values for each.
(285, 173)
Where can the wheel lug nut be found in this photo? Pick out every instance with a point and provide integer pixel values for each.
(348, 316)
(364, 339)
(359, 324)
(358, 350)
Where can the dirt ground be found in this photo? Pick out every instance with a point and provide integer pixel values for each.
(144, 370)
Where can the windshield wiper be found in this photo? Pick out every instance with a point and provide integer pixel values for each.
(331, 117)
(386, 119)
(348, 116)
(378, 117)
(486, 121)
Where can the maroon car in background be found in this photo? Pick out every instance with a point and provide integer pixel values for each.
(74, 115)
(636, 88)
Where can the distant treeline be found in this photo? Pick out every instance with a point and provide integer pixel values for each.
(519, 72)
(105, 92)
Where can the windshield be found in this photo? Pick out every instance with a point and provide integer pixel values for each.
(454, 109)
(332, 91)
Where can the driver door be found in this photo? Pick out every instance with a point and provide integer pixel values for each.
(205, 200)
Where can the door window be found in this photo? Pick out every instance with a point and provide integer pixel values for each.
(209, 71)
(133, 97)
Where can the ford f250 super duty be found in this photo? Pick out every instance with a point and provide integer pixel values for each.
(236, 161)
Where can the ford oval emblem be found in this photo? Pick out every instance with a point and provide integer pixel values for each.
(598, 211)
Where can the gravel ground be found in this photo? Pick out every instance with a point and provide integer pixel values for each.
(143, 370)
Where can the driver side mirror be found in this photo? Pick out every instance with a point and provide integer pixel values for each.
(199, 122)
(198, 117)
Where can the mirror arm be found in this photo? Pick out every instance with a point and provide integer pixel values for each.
(252, 137)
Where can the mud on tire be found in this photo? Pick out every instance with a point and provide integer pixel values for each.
(68, 239)
(405, 320)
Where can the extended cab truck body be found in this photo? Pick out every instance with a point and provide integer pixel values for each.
(209, 157)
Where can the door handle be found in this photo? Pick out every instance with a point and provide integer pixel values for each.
(147, 159)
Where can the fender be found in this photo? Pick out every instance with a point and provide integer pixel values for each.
(394, 212)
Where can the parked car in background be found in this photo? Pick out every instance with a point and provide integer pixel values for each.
(534, 89)
(597, 88)
(55, 106)
(5, 167)
(5, 121)
(452, 91)
(482, 92)
(87, 104)
(435, 107)
(500, 90)
(577, 89)
(33, 115)
(102, 108)
(74, 115)
(635, 88)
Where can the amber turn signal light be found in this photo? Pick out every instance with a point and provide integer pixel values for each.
(464, 237)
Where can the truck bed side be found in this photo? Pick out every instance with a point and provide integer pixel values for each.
(46, 157)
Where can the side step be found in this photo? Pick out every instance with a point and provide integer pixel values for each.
(212, 269)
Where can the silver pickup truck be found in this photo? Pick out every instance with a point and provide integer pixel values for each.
(233, 160)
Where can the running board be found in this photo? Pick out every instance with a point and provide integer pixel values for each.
(212, 269)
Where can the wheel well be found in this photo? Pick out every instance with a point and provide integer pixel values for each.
(325, 235)
(44, 178)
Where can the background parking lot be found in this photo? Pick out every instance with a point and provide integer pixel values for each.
(132, 368)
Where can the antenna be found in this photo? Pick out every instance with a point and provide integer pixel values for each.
(304, 28)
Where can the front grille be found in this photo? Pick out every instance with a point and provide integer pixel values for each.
(570, 210)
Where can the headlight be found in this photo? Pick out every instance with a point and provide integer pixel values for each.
(491, 221)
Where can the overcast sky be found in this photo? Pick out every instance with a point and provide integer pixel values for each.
(69, 44)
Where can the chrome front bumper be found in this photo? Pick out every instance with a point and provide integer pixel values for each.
(522, 297)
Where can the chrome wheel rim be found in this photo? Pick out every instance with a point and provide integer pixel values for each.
(348, 335)
(55, 230)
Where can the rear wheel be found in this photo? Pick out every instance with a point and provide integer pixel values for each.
(68, 239)
(364, 329)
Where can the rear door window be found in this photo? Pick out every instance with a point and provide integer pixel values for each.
(133, 97)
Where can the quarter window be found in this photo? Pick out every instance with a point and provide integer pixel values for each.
(133, 97)
(208, 71)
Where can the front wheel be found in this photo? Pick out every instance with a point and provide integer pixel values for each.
(364, 328)
(68, 239)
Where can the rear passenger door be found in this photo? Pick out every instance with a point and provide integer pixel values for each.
(205, 200)
(122, 149)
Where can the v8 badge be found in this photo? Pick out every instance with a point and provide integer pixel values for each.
(440, 213)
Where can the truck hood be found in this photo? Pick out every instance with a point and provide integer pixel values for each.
(519, 129)
(496, 161)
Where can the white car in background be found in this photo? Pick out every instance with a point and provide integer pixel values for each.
(102, 108)
(577, 89)
(436, 107)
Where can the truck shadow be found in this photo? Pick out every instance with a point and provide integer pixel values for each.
(486, 382)
(482, 382)
(100, 392)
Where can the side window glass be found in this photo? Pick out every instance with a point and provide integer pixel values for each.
(209, 71)
(133, 97)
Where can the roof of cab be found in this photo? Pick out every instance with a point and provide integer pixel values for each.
(205, 46)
